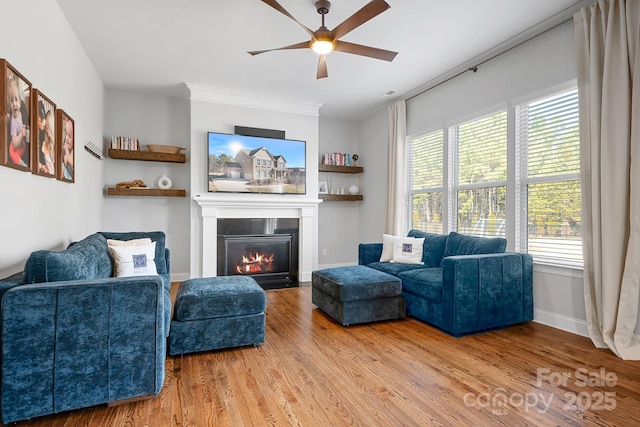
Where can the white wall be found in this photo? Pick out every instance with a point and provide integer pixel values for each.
(153, 119)
(544, 62)
(38, 212)
(338, 222)
(219, 110)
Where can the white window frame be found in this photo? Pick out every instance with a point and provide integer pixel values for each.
(409, 193)
(516, 182)
(451, 160)
(522, 181)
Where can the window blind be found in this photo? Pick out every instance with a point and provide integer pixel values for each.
(481, 148)
(549, 135)
(425, 179)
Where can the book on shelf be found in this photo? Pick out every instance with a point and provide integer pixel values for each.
(338, 159)
(125, 143)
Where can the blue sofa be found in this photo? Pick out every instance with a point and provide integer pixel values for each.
(467, 284)
(73, 336)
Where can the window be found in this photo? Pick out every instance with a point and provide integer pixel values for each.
(548, 139)
(463, 185)
(426, 182)
(480, 156)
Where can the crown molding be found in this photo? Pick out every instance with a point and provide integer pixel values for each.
(218, 95)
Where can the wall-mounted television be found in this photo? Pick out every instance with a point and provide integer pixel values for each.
(252, 164)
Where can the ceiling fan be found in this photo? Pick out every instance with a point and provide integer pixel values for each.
(324, 41)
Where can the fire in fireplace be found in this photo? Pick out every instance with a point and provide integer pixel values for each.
(266, 258)
(256, 263)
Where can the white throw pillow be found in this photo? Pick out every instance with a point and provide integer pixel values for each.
(134, 260)
(387, 248)
(134, 242)
(407, 250)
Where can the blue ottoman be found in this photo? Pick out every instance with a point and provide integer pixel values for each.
(357, 294)
(217, 312)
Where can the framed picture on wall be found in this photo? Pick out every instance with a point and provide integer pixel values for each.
(43, 137)
(15, 113)
(65, 158)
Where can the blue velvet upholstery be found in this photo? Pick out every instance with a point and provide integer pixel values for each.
(226, 296)
(357, 294)
(215, 334)
(432, 248)
(162, 260)
(70, 340)
(356, 282)
(212, 313)
(459, 244)
(394, 268)
(70, 264)
(477, 287)
(423, 282)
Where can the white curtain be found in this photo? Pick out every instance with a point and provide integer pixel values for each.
(396, 170)
(608, 63)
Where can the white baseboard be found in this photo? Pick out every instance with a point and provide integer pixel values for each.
(180, 277)
(558, 321)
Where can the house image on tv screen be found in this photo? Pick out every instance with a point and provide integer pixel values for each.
(256, 170)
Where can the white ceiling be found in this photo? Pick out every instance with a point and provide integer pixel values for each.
(157, 45)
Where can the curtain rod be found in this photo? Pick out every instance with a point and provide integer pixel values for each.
(474, 68)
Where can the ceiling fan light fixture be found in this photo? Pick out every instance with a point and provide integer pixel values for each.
(322, 47)
(324, 41)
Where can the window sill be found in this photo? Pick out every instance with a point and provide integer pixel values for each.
(558, 269)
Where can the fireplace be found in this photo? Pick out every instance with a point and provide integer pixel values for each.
(265, 249)
(266, 258)
(216, 209)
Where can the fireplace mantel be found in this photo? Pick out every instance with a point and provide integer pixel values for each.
(254, 202)
(215, 206)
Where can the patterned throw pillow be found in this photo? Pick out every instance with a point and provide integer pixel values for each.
(132, 260)
(407, 250)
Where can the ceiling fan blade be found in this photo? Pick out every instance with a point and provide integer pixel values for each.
(372, 52)
(368, 11)
(301, 45)
(274, 4)
(322, 67)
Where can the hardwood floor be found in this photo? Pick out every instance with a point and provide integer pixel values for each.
(313, 372)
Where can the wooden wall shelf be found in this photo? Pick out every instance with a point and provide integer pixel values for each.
(145, 192)
(343, 197)
(340, 169)
(147, 156)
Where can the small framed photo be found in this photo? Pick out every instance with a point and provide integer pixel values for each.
(15, 113)
(323, 188)
(43, 137)
(65, 157)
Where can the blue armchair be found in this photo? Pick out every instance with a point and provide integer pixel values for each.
(467, 284)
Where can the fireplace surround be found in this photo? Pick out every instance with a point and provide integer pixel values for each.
(216, 207)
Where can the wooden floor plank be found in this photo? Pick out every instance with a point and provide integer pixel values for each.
(311, 371)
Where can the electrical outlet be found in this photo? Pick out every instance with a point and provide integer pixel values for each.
(324, 252)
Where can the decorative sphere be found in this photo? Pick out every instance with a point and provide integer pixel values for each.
(353, 189)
